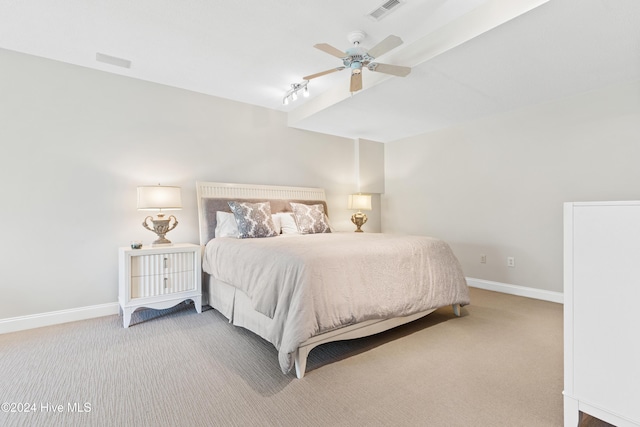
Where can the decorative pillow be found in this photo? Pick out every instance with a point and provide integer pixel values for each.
(253, 219)
(226, 225)
(287, 223)
(310, 218)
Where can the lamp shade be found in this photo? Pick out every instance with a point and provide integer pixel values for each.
(158, 197)
(361, 202)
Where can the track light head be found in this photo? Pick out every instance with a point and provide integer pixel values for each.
(293, 92)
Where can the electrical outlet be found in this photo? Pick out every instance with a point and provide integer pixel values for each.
(511, 261)
(483, 259)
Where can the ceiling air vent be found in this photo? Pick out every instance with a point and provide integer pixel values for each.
(385, 9)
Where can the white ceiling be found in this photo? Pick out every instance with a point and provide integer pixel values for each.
(470, 58)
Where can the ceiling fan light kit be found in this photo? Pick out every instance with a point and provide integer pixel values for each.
(356, 57)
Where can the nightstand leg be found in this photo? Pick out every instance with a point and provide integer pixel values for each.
(126, 317)
(197, 301)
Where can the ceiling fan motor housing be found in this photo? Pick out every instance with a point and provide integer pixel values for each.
(356, 58)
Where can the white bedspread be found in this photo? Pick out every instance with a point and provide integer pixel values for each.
(315, 283)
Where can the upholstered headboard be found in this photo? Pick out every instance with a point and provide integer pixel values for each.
(213, 197)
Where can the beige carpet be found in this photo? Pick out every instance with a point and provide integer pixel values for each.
(498, 365)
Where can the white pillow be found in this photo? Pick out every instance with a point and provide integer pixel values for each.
(326, 218)
(276, 223)
(226, 225)
(287, 223)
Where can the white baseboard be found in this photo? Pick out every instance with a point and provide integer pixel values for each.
(14, 324)
(522, 291)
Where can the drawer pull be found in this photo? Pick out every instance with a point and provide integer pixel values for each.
(166, 282)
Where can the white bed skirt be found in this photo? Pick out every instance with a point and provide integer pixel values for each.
(236, 306)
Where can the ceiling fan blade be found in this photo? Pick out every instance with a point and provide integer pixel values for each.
(322, 73)
(330, 50)
(356, 82)
(385, 46)
(396, 70)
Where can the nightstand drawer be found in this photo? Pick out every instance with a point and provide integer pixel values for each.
(170, 263)
(161, 284)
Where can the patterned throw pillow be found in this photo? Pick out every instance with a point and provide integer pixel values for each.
(254, 219)
(310, 218)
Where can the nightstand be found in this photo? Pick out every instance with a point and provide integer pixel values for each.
(159, 277)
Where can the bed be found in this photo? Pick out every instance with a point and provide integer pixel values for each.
(301, 290)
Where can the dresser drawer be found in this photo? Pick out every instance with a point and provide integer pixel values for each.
(161, 284)
(145, 265)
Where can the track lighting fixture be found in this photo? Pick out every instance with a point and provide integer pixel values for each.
(292, 94)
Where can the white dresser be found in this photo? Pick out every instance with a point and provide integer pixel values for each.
(601, 327)
(159, 277)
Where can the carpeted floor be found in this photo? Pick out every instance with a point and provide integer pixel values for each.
(498, 365)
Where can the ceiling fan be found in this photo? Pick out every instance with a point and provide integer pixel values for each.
(356, 58)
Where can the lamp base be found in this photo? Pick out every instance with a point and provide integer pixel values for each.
(161, 226)
(358, 219)
(162, 242)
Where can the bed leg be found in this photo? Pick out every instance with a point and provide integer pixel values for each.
(456, 309)
(301, 361)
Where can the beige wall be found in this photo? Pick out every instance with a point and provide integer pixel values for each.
(371, 162)
(370, 179)
(497, 186)
(76, 143)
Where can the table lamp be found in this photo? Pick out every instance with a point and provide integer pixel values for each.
(159, 198)
(359, 202)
